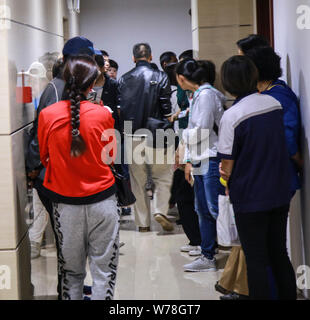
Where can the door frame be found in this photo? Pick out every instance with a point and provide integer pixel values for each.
(265, 24)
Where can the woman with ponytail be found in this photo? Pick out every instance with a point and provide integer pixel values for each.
(77, 144)
(200, 139)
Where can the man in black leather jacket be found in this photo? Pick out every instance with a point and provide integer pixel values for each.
(144, 93)
(135, 86)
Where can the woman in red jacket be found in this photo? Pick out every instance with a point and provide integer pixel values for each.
(77, 144)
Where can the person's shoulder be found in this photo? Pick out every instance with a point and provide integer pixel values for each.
(127, 74)
(257, 100)
(52, 111)
(99, 110)
(249, 106)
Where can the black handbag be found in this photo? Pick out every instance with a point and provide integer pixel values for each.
(124, 195)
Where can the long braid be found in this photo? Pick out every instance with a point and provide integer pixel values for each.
(78, 145)
(80, 72)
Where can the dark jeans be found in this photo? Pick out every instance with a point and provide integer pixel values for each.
(184, 196)
(207, 189)
(263, 239)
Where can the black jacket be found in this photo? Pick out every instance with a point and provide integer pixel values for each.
(110, 98)
(136, 100)
(52, 94)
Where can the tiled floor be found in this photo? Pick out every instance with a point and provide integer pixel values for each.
(150, 268)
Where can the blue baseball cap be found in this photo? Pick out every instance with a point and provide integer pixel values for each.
(74, 46)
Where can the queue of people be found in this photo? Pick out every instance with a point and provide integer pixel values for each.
(89, 123)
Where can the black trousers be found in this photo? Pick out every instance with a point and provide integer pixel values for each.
(183, 195)
(263, 239)
(48, 204)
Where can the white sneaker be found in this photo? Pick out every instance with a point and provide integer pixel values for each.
(195, 252)
(188, 248)
(201, 264)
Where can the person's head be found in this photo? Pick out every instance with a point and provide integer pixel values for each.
(167, 58)
(250, 42)
(267, 62)
(239, 76)
(191, 73)
(76, 46)
(105, 54)
(188, 54)
(170, 71)
(112, 73)
(58, 68)
(100, 61)
(142, 51)
(209, 71)
(80, 74)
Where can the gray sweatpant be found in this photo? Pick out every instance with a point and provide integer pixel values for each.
(87, 231)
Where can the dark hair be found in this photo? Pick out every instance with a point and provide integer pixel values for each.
(80, 72)
(188, 54)
(58, 68)
(197, 72)
(170, 71)
(210, 71)
(252, 41)
(100, 60)
(239, 76)
(104, 53)
(267, 62)
(167, 57)
(142, 50)
(113, 64)
(154, 66)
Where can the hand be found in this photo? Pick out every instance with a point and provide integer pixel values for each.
(170, 119)
(223, 174)
(188, 171)
(298, 161)
(227, 192)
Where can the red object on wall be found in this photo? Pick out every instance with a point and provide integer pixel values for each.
(23, 93)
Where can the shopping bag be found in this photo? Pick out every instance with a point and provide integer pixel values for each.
(227, 234)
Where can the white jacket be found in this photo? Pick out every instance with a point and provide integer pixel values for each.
(200, 139)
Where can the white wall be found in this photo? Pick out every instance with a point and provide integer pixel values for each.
(116, 25)
(294, 47)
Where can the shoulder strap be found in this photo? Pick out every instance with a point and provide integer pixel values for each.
(56, 92)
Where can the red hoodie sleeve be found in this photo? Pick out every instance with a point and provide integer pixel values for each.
(43, 139)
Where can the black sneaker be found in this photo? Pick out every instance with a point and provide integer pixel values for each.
(220, 289)
(87, 290)
(234, 296)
